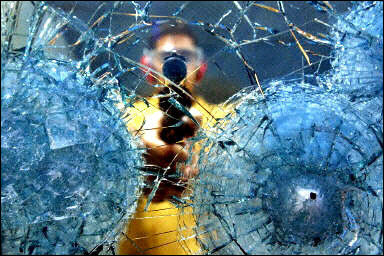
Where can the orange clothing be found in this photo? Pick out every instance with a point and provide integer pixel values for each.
(158, 230)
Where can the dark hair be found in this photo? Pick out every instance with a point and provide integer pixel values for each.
(169, 27)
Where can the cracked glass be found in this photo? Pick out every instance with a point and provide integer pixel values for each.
(288, 147)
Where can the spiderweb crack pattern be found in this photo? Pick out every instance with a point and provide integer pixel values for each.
(274, 156)
(301, 168)
(82, 58)
(68, 164)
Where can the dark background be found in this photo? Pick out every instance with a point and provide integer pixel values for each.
(226, 73)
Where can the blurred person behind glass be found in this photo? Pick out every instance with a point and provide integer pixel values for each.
(168, 148)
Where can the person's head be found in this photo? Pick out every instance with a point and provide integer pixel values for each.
(169, 37)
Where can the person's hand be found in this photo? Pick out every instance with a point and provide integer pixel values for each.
(167, 158)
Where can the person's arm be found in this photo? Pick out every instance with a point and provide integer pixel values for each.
(168, 157)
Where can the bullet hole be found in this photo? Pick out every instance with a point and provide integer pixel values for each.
(312, 196)
(45, 231)
(316, 241)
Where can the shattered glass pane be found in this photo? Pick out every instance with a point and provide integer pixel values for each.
(69, 179)
(299, 173)
(311, 114)
(300, 170)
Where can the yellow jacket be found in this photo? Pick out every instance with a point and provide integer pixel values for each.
(158, 230)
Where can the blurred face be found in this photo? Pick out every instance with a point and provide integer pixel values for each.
(183, 45)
